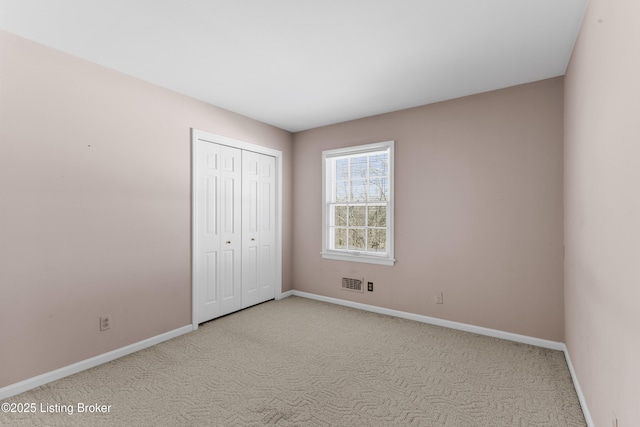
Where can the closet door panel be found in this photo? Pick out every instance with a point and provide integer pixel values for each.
(266, 272)
(231, 246)
(217, 250)
(207, 239)
(250, 228)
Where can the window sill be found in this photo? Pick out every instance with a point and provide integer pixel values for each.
(357, 257)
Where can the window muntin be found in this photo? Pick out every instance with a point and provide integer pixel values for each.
(358, 203)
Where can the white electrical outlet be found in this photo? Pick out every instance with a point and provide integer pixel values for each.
(105, 323)
(439, 298)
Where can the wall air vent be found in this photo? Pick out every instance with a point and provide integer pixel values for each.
(352, 284)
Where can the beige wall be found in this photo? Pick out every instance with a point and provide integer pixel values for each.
(479, 212)
(602, 223)
(95, 206)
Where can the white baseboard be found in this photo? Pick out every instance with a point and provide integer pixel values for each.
(524, 339)
(22, 386)
(576, 385)
(286, 294)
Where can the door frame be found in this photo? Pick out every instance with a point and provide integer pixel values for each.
(200, 135)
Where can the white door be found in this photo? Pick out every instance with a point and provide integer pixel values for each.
(258, 228)
(217, 231)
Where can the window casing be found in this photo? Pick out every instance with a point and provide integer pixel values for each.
(357, 218)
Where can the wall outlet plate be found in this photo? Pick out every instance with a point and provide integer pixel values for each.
(105, 323)
(370, 286)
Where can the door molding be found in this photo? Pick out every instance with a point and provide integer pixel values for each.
(199, 135)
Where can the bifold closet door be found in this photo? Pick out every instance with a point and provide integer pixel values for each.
(234, 229)
(218, 245)
(258, 228)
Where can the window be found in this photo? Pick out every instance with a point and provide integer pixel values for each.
(357, 219)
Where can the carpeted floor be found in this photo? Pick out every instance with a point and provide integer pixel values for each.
(299, 362)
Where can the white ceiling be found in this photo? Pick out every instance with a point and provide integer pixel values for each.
(300, 64)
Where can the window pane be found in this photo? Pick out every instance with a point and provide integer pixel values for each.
(340, 218)
(358, 167)
(358, 190)
(340, 235)
(342, 191)
(357, 216)
(357, 239)
(342, 169)
(378, 189)
(377, 240)
(377, 216)
(378, 165)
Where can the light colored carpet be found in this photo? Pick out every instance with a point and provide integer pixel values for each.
(299, 362)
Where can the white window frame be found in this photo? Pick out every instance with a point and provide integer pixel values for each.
(345, 254)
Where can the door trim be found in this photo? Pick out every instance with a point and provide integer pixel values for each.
(199, 135)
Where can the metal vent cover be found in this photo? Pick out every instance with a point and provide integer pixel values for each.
(349, 284)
